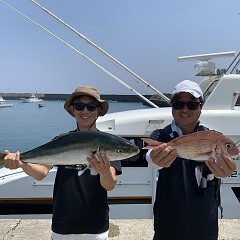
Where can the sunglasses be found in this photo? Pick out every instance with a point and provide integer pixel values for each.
(90, 106)
(177, 105)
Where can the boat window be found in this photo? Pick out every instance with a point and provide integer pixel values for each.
(138, 160)
(236, 191)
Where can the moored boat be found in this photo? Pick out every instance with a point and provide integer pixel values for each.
(1, 99)
(31, 99)
(134, 193)
(40, 105)
(4, 105)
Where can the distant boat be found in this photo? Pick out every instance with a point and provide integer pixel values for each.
(32, 99)
(3, 105)
(41, 105)
(1, 99)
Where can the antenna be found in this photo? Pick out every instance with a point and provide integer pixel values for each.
(206, 57)
(205, 67)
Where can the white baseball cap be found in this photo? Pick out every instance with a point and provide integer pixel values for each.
(189, 87)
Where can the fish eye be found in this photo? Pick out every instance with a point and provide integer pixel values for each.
(228, 145)
(120, 151)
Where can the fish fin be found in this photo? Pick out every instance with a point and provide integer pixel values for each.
(202, 157)
(151, 143)
(2, 155)
(80, 172)
(93, 171)
(61, 135)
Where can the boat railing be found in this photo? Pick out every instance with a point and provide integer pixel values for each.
(213, 82)
(209, 70)
(234, 65)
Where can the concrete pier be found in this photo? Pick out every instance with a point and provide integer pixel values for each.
(133, 229)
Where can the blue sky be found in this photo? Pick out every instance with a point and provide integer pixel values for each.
(146, 36)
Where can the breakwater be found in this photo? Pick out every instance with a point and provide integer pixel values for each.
(110, 97)
(63, 97)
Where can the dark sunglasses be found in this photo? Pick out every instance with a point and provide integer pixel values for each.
(90, 106)
(177, 105)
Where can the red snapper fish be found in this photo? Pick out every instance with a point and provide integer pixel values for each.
(199, 146)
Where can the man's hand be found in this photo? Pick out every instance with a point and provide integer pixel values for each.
(222, 167)
(163, 155)
(100, 163)
(12, 160)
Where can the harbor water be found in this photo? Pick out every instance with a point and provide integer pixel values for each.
(26, 125)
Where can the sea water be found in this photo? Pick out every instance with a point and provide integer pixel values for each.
(26, 125)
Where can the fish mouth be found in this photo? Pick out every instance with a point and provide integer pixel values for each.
(236, 157)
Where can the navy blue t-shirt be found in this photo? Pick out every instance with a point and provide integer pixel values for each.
(181, 211)
(79, 201)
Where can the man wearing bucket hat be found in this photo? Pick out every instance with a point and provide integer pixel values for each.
(80, 208)
(187, 195)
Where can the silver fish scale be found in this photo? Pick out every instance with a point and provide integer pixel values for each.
(75, 147)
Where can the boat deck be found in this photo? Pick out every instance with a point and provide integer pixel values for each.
(134, 229)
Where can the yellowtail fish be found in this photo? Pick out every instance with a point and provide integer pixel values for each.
(199, 146)
(73, 148)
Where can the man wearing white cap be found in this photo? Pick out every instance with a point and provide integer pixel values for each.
(187, 195)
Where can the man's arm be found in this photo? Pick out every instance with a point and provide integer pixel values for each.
(12, 161)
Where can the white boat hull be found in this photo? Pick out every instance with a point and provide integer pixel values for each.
(4, 105)
(31, 100)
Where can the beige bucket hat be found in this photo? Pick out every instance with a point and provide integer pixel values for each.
(87, 91)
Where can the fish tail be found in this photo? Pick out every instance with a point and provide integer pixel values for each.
(2, 155)
(151, 143)
(149, 147)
